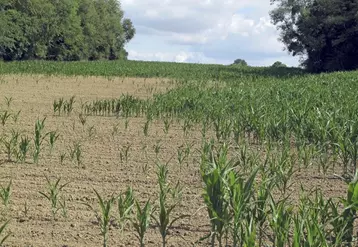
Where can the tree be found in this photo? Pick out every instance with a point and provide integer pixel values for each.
(63, 30)
(278, 64)
(323, 32)
(240, 62)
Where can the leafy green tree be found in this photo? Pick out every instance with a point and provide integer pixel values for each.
(278, 64)
(63, 30)
(240, 62)
(323, 32)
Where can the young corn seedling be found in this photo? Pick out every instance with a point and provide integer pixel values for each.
(115, 129)
(249, 234)
(11, 144)
(146, 127)
(63, 207)
(280, 222)
(164, 219)
(187, 126)
(5, 194)
(167, 123)
(83, 119)
(181, 156)
(125, 207)
(26, 209)
(142, 220)
(76, 153)
(23, 148)
(2, 230)
(263, 190)
(53, 138)
(157, 148)
(57, 106)
(53, 194)
(4, 117)
(8, 101)
(214, 172)
(351, 206)
(39, 137)
(124, 153)
(126, 123)
(15, 117)
(104, 216)
(91, 131)
(68, 105)
(241, 194)
(62, 157)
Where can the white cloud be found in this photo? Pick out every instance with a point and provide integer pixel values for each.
(212, 30)
(180, 57)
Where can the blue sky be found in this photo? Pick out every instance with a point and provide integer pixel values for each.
(204, 31)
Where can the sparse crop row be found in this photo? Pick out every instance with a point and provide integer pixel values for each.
(125, 106)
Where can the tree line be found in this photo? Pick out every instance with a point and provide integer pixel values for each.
(63, 30)
(323, 32)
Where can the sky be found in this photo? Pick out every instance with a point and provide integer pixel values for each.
(204, 31)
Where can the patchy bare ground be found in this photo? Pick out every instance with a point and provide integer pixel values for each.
(100, 168)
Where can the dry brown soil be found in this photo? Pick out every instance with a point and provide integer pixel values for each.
(101, 169)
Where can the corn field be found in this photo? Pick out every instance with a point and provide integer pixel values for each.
(149, 154)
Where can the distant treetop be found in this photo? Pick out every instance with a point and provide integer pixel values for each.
(241, 62)
(278, 64)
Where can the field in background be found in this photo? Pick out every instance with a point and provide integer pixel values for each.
(294, 132)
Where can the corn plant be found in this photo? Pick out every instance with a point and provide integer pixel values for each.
(5, 194)
(310, 223)
(4, 117)
(38, 139)
(164, 220)
(23, 148)
(53, 194)
(63, 206)
(280, 222)
(126, 123)
(241, 195)
(75, 153)
(15, 117)
(125, 207)
(62, 157)
(104, 215)
(167, 123)
(8, 101)
(351, 206)
(68, 105)
(53, 138)
(11, 144)
(83, 119)
(142, 220)
(157, 147)
(181, 156)
(91, 131)
(114, 130)
(146, 127)
(187, 126)
(124, 153)
(2, 229)
(214, 173)
(263, 192)
(57, 105)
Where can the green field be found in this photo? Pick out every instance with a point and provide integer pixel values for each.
(258, 128)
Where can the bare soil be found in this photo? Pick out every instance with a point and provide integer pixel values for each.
(100, 167)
